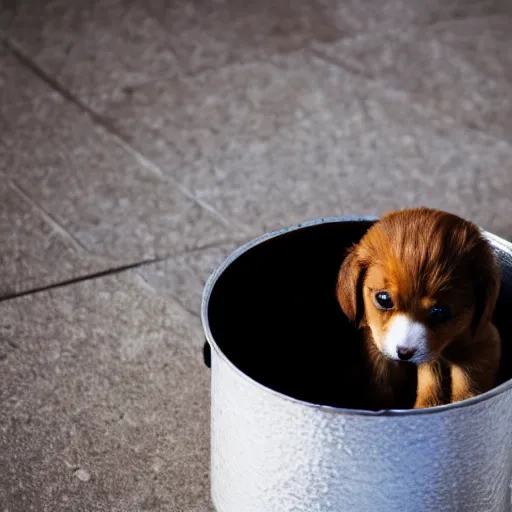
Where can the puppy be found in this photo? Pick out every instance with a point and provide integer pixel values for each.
(421, 286)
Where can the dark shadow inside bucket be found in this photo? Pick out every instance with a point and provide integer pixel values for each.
(274, 315)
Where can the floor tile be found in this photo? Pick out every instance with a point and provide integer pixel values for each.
(297, 137)
(276, 140)
(105, 405)
(101, 51)
(462, 68)
(183, 277)
(36, 251)
(94, 49)
(105, 196)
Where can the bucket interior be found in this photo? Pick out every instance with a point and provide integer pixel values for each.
(274, 314)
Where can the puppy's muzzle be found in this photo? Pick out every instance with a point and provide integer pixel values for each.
(406, 340)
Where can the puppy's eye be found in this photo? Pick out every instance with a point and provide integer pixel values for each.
(438, 315)
(383, 300)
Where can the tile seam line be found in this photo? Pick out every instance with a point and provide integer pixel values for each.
(48, 218)
(175, 297)
(40, 73)
(136, 267)
(79, 279)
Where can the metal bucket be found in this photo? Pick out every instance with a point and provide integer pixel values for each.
(284, 434)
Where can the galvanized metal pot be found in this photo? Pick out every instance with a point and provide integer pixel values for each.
(285, 438)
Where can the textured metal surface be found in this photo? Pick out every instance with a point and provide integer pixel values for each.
(273, 453)
(270, 454)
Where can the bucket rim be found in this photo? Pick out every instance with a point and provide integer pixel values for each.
(495, 241)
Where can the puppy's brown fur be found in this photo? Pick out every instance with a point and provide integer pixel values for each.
(423, 258)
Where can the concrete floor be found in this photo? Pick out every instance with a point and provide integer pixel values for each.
(142, 141)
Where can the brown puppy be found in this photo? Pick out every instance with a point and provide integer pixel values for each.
(422, 285)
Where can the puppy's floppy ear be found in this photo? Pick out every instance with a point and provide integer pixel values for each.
(349, 288)
(486, 284)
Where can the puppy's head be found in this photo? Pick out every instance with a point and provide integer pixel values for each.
(419, 279)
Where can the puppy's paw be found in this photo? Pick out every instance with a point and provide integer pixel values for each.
(462, 385)
(425, 402)
(463, 397)
(429, 393)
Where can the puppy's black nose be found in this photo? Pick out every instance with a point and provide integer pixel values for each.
(405, 353)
